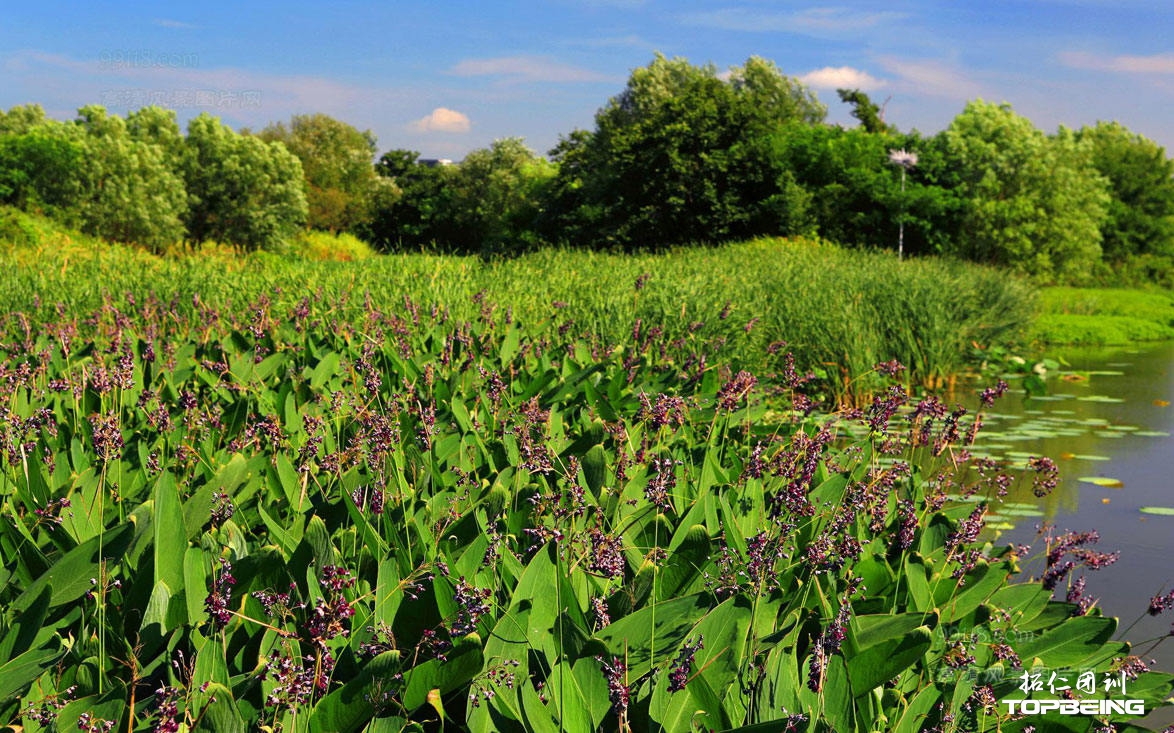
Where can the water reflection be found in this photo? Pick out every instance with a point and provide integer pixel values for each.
(1107, 423)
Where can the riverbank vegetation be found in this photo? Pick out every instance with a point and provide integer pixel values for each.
(1103, 316)
(838, 311)
(325, 514)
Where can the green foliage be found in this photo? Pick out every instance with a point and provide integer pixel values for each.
(341, 247)
(160, 127)
(21, 119)
(132, 193)
(240, 188)
(41, 170)
(855, 193)
(96, 174)
(495, 196)
(353, 517)
(1140, 218)
(870, 115)
(415, 219)
(841, 312)
(678, 157)
(337, 161)
(1103, 316)
(1031, 202)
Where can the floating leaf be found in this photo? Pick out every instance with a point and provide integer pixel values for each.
(1022, 513)
(1162, 511)
(1108, 483)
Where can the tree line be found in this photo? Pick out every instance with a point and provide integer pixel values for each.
(683, 154)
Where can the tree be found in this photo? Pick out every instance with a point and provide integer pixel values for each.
(853, 193)
(864, 109)
(337, 162)
(416, 217)
(240, 188)
(680, 155)
(132, 193)
(158, 126)
(1140, 216)
(21, 119)
(41, 169)
(94, 174)
(496, 196)
(1032, 202)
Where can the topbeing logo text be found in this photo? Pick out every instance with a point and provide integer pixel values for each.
(1076, 707)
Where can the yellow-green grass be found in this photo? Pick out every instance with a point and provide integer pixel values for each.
(1108, 316)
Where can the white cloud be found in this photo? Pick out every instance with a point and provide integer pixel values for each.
(841, 77)
(933, 78)
(442, 119)
(1161, 63)
(820, 22)
(168, 78)
(527, 69)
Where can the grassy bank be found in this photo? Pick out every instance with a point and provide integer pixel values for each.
(1103, 316)
(840, 312)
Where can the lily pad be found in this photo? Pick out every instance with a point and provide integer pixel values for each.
(1164, 511)
(1100, 398)
(1152, 434)
(1108, 483)
(1022, 513)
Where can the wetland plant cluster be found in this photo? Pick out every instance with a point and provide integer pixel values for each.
(317, 515)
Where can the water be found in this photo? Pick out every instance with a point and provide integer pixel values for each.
(1121, 413)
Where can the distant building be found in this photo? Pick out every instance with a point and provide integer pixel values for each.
(435, 162)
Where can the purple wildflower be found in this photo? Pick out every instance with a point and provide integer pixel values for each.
(679, 675)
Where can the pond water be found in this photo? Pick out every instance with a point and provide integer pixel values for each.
(1107, 422)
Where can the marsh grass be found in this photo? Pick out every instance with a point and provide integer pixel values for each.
(839, 312)
(1103, 316)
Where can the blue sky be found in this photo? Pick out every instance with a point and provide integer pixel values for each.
(447, 77)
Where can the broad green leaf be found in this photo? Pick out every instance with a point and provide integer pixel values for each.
(654, 633)
(834, 702)
(352, 705)
(26, 626)
(170, 533)
(195, 579)
(464, 661)
(70, 576)
(221, 712)
(913, 717)
(684, 564)
(20, 671)
(883, 661)
(1069, 644)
